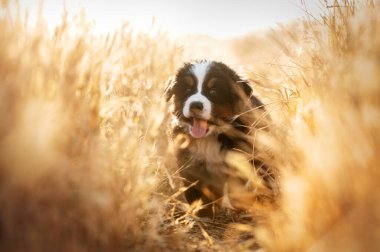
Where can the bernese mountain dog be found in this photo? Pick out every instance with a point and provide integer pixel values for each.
(216, 118)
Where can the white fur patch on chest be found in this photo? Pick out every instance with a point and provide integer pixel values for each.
(208, 149)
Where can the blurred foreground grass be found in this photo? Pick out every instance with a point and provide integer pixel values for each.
(84, 158)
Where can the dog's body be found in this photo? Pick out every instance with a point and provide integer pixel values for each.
(216, 114)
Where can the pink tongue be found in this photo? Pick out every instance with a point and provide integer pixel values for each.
(199, 128)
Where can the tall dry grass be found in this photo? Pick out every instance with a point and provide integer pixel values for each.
(84, 157)
(330, 152)
(81, 135)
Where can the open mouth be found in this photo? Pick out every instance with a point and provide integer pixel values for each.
(199, 127)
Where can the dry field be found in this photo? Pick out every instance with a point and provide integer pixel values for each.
(85, 161)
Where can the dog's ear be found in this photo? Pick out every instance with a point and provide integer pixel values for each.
(245, 87)
(249, 92)
(168, 92)
(243, 84)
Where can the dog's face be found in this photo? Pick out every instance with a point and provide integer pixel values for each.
(206, 92)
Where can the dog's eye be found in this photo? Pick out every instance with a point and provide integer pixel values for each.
(188, 90)
(212, 92)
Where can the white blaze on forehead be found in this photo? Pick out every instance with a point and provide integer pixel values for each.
(200, 70)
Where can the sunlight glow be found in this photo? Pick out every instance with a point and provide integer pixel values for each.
(212, 17)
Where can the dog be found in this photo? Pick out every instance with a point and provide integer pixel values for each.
(215, 120)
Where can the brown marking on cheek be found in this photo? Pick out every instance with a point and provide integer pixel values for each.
(189, 81)
(223, 111)
(211, 83)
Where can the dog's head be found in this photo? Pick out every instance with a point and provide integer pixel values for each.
(205, 93)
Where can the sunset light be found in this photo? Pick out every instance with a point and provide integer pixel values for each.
(211, 17)
(189, 125)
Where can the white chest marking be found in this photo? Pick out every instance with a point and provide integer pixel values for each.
(208, 149)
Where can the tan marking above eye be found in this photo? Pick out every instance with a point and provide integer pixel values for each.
(189, 81)
(211, 83)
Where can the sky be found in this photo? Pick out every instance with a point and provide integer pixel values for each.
(217, 18)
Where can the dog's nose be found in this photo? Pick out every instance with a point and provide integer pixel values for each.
(196, 106)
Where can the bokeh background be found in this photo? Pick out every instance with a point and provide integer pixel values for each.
(85, 161)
